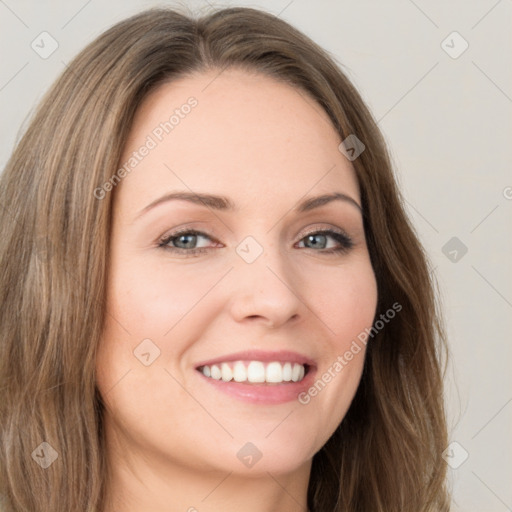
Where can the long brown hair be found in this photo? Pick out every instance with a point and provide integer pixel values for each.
(386, 455)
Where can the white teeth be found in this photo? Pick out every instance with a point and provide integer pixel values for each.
(287, 372)
(297, 372)
(255, 372)
(227, 374)
(216, 373)
(239, 372)
(274, 372)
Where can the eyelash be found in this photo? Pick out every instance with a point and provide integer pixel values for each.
(343, 239)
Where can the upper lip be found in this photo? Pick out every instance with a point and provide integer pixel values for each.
(260, 355)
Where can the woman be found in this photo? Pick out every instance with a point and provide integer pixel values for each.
(179, 334)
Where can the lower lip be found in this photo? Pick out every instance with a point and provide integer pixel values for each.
(263, 393)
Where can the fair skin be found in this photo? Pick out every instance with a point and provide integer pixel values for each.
(173, 434)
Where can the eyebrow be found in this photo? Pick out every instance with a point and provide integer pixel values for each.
(223, 203)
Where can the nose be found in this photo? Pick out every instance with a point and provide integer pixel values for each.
(266, 290)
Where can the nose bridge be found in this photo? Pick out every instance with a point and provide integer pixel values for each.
(264, 283)
(259, 252)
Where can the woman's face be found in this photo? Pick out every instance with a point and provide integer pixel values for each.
(217, 307)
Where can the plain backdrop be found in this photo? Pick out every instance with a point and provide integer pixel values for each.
(438, 78)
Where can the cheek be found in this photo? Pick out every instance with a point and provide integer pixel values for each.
(174, 305)
(345, 300)
(150, 301)
(346, 303)
(158, 303)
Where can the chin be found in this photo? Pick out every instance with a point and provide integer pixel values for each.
(258, 456)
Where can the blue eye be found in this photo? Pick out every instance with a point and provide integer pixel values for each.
(344, 241)
(186, 239)
(185, 242)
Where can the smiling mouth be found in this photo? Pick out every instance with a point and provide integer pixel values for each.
(256, 372)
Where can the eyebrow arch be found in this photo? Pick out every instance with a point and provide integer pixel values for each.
(225, 204)
(315, 202)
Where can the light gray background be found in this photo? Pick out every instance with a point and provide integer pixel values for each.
(448, 123)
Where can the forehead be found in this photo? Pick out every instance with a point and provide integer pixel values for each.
(234, 133)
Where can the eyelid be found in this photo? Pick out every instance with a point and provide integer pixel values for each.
(311, 229)
(184, 231)
(315, 228)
